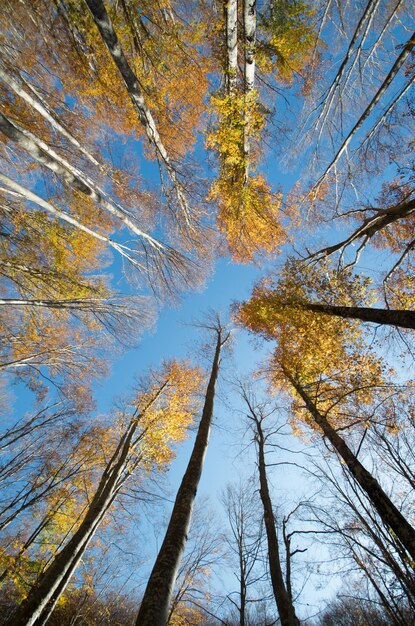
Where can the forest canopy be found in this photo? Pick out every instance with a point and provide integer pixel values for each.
(207, 312)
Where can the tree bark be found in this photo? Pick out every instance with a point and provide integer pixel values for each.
(160, 254)
(390, 317)
(371, 226)
(231, 29)
(242, 589)
(406, 50)
(40, 108)
(154, 607)
(250, 36)
(328, 100)
(110, 39)
(45, 155)
(42, 598)
(249, 73)
(387, 511)
(283, 601)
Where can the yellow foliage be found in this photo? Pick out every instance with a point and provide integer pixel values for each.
(326, 354)
(227, 136)
(166, 410)
(291, 39)
(400, 288)
(248, 215)
(187, 615)
(248, 212)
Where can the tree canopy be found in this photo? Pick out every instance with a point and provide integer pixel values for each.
(156, 159)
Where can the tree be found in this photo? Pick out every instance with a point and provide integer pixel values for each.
(135, 136)
(42, 153)
(248, 211)
(347, 612)
(163, 411)
(323, 289)
(336, 379)
(389, 513)
(107, 32)
(363, 550)
(203, 552)
(245, 540)
(82, 195)
(157, 596)
(281, 585)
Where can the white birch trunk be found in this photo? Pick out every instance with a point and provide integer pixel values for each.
(250, 38)
(40, 108)
(42, 153)
(249, 73)
(231, 20)
(109, 36)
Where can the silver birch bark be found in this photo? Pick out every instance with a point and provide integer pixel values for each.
(109, 37)
(38, 105)
(250, 37)
(231, 24)
(249, 77)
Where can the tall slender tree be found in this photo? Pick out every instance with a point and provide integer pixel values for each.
(155, 604)
(387, 510)
(281, 585)
(162, 414)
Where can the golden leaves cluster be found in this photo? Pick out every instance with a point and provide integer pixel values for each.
(248, 210)
(327, 355)
(167, 409)
(290, 42)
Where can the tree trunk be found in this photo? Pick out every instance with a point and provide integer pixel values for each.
(109, 37)
(328, 100)
(38, 605)
(281, 593)
(249, 73)
(231, 26)
(387, 511)
(39, 106)
(154, 607)
(391, 317)
(159, 254)
(371, 226)
(45, 155)
(250, 36)
(405, 52)
(242, 589)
